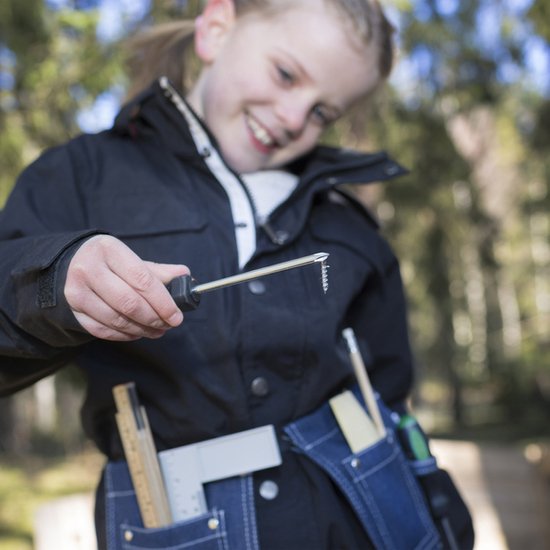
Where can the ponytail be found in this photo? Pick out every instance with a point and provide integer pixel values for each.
(162, 50)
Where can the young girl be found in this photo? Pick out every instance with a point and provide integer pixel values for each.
(223, 177)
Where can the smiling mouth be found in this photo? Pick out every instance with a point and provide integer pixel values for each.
(260, 133)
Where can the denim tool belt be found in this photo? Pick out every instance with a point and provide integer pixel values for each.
(378, 482)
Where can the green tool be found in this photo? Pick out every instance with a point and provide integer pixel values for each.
(413, 439)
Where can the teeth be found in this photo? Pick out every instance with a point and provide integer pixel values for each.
(260, 133)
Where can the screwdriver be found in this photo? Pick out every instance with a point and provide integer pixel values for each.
(187, 293)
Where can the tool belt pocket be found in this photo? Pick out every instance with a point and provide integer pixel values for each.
(221, 527)
(377, 481)
(206, 532)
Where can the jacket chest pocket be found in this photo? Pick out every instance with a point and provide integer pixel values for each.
(145, 214)
(158, 228)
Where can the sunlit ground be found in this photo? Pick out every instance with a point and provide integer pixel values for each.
(30, 482)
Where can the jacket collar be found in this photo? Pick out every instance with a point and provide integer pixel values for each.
(153, 113)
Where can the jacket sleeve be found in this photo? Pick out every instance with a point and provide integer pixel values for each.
(378, 312)
(41, 225)
(366, 286)
(380, 317)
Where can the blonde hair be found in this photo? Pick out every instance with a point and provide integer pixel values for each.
(164, 49)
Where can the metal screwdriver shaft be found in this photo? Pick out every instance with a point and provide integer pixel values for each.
(186, 292)
(261, 272)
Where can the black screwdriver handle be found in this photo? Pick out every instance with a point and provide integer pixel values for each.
(181, 289)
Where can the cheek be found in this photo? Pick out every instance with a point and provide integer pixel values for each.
(246, 84)
(223, 100)
(307, 141)
(309, 138)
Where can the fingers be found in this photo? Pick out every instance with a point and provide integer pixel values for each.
(117, 296)
(137, 290)
(167, 272)
(127, 333)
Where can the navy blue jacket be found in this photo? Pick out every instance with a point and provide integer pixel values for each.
(250, 354)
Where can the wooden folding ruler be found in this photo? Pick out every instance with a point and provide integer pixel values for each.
(141, 456)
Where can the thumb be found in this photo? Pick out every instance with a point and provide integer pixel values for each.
(167, 272)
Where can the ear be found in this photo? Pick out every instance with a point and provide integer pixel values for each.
(212, 27)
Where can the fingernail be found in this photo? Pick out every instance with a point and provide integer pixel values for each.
(175, 319)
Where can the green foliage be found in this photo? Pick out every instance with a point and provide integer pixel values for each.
(11, 147)
(539, 14)
(59, 68)
(23, 28)
(540, 135)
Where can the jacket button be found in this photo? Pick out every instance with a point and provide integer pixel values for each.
(281, 236)
(269, 490)
(391, 169)
(257, 287)
(259, 387)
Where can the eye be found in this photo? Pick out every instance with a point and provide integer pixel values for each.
(285, 76)
(321, 115)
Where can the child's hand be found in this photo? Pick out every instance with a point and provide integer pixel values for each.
(115, 295)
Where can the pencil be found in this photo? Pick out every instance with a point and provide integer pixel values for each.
(363, 380)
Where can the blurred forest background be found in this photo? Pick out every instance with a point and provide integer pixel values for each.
(467, 111)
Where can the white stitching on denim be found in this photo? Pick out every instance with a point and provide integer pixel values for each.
(110, 515)
(420, 505)
(413, 491)
(320, 459)
(249, 513)
(370, 502)
(245, 512)
(309, 445)
(220, 535)
(189, 544)
(363, 501)
(223, 542)
(374, 469)
(252, 505)
(114, 494)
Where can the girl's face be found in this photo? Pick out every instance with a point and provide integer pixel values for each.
(271, 84)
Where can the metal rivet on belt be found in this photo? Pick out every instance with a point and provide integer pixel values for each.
(213, 523)
(355, 463)
(269, 490)
(128, 536)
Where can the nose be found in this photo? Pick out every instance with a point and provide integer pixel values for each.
(293, 113)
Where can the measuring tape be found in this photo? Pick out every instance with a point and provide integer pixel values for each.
(139, 448)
